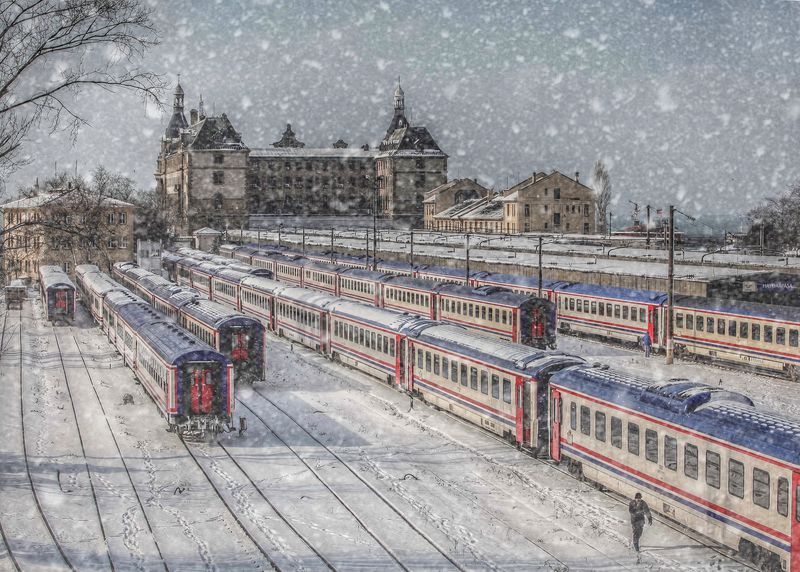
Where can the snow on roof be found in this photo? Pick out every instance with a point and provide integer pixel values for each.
(309, 152)
(55, 197)
(207, 231)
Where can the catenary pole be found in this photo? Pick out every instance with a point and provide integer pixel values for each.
(670, 285)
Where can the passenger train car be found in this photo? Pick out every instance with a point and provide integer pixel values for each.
(58, 294)
(702, 456)
(239, 337)
(190, 382)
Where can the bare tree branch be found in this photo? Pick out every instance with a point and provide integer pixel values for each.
(601, 183)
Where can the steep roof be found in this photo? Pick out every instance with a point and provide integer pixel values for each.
(216, 133)
(55, 197)
(412, 142)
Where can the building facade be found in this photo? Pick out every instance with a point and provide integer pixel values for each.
(57, 228)
(541, 203)
(207, 176)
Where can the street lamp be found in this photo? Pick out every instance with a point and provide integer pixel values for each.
(280, 228)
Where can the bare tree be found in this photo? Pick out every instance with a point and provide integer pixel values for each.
(601, 183)
(775, 224)
(52, 49)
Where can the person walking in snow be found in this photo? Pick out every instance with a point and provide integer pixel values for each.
(646, 344)
(639, 512)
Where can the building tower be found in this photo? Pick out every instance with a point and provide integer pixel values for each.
(178, 120)
(399, 120)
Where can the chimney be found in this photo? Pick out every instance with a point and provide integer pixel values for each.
(192, 116)
(577, 174)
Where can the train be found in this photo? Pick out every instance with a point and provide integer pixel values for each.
(755, 336)
(190, 382)
(492, 310)
(700, 455)
(58, 294)
(239, 337)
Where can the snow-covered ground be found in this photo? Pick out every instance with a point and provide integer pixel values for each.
(335, 471)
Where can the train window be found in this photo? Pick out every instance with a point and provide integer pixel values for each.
(761, 488)
(419, 359)
(783, 497)
(780, 336)
(709, 325)
(491, 315)
(391, 347)
(642, 315)
(599, 426)
(594, 307)
(767, 334)
(651, 445)
(573, 416)
(744, 330)
(720, 326)
(690, 461)
(670, 453)
(793, 338)
(616, 432)
(756, 332)
(602, 309)
(454, 372)
(633, 438)
(504, 316)
(371, 337)
(736, 478)
(496, 386)
(616, 310)
(473, 378)
(732, 328)
(471, 310)
(436, 364)
(572, 303)
(506, 390)
(380, 345)
(679, 321)
(483, 312)
(427, 361)
(484, 382)
(624, 312)
(463, 375)
(361, 339)
(586, 420)
(712, 469)
(689, 322)
(458, 307)
(579, 305)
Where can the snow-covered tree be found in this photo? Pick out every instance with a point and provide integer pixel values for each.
(601, 183)
(80, 44)
(775, 223)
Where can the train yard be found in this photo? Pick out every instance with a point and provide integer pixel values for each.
(334, 472)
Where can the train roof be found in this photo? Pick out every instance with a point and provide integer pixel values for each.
(215, 314)
(119, 298)
(264, 284)
(517, 280)
(614, 292)
(395, 266)
(250, 269)
(100, 283)
(177, 296)
(380, 317)
(138, 314)
(123, 266)
(323, 267)
(713, 411)
(308, 297)
(741, 308)
(136, 273)
(363, 274)
(51, 276)
(175, 345)
(492, 294)
(233, 275)
(504, 354)
(411, 282)
(454, 273)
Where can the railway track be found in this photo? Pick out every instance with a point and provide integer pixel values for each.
(113, 438)
(392, 553)
(37, 501)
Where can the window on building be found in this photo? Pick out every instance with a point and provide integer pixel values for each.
(122, 218)
(557, 194)
(556, 219)
(527, 210)
(218, 177)
(219, 159)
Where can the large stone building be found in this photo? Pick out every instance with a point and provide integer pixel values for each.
(65, 229)
(541, 203)
(207, 176)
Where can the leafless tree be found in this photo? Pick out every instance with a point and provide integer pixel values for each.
(50, 50)
(601, 183)
(775, 223)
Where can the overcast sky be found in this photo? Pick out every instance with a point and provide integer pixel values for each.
(692, 102)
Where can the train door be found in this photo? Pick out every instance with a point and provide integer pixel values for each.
(524, 412)
(795, 564)
(652, 326)
(555, 422)
(538, 327)
(400, 365)
(323, 333)
(199, 388)
(61, 303)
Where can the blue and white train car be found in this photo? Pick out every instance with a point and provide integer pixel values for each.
(58, 294)
(498, 385)
(94, 286)
(700, 455)
(517, 283)
(302, 315)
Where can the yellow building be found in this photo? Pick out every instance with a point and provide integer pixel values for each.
(66, 228)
